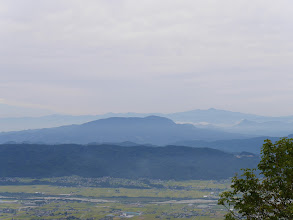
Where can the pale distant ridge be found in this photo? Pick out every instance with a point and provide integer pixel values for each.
(149, 130)
(215, 119)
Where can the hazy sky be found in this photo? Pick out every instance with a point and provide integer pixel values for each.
(90, 57)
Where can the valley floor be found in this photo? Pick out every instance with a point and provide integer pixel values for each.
(109, 198)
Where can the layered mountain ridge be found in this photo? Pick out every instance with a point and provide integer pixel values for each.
(149, 130)
(216, 119)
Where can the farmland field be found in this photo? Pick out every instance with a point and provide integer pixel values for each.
(109, 198)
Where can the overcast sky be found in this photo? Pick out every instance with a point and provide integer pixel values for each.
(91, 57)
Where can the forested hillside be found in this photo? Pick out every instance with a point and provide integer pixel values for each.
(171, 162)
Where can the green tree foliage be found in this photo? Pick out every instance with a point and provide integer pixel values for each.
(268, 195)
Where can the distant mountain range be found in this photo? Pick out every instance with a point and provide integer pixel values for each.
(215, 119)
(128, 145)
(171, 162)
(149, 130)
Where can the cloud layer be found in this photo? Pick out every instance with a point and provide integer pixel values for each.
(87, 57)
